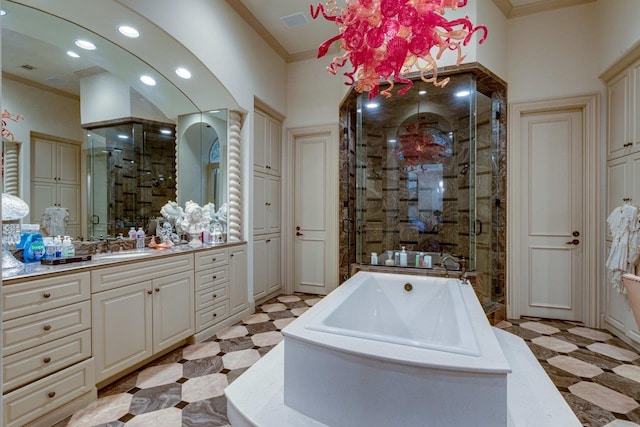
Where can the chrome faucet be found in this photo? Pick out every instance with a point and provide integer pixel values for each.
(462, 262)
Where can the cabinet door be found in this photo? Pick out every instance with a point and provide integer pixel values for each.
(272, 205)
(275, 147)
(43, 160)
(633, 184)
(634, 116)
(238, 295)
(617, 184)
(43, 195)
(173, 309)
(617, 308)
(260, 135)
(259, 204)
(273, 260)
(68, 163)
(618, 104)
(260, 268)
(122, 328)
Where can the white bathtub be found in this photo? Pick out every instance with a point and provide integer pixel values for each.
(372, 353)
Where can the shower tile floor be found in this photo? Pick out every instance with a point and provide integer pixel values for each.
(598, 374)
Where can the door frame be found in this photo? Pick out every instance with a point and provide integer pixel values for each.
(592, 270)
(288, 236)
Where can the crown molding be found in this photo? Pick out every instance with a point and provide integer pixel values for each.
(543, 6)
(505, 7)
(41, 86)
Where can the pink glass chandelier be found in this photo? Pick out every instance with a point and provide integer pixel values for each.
(385, 39)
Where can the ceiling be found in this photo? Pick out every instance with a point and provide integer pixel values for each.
(301, 42)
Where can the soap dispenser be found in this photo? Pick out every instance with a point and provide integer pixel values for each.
(403, 257)
(140, 238)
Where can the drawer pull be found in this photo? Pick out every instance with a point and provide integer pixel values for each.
(157, 289)
(215, 314)
(46, 295)
(150, 292)
(215, 277)
(46, 360)
(47, 327)
(215, 295)
(213, 259)
(628, 144)
(232, 255)
(52, 394)
(268, 241)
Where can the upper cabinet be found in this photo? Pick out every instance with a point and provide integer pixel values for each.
(268, 145)
(623, 112)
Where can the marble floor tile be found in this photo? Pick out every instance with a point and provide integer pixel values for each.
(312, 301)
(267, 338)
(206, 413)
(621, 423)
(170, 417)
(203, 366)
(590, 415)
(504, 324)
(604, 397)
(620, 384)
(288, 298)
(261, 327)
(268, 308)
(240, 359)
(204, 387)
(235, 344)
(298, 311)
(281, 323)
(155, 398)
(255, 318)
(590, 333)
(102, 411)
(628, 371)
(232, 332)
(614, 352)
(575, 366)
(198, 351)
(554, 344)
(541, 328)
(159, 375)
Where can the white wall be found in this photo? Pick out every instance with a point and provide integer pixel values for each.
(617, 30)
(44, 112)
(491, 53)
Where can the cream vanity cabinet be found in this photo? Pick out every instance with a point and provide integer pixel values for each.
(140, 309)
(623, 177)
(55, 179)
(221, 288)
(267, 202)
(46, 333)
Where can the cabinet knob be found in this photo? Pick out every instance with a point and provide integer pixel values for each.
(268, 167)
(215, 277)
(213, 260)
(267, 204)
(47, 327)
(46, 360)
(52, 394)
(231, 255)
(150, 292)
(157, 289)
(268, 241)
(215, 314)
(215, 296)
(46, 295)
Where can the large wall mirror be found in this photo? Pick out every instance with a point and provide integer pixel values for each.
(92, 138)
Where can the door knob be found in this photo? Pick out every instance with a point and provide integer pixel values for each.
(573, 242)
(576, 233)
(299, 233)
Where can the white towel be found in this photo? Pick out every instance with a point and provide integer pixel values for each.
(625, 248)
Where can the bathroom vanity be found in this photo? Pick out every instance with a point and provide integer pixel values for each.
(69, 329)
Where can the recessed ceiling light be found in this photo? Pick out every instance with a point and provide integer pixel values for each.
(123, 136)
(462, 93)
(72, 54)
(85, 44)
(148, 80)
(3, 12)
(372, 105)
(183, 72)
(165, 131)
(422, 92)
(214, 111)
(128, 31)
(392, 141)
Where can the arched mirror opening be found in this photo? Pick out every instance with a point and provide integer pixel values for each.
(428, 179)
(132, 147)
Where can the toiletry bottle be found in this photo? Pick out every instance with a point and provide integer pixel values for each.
(396, 258)
(403, 257)
(417, 260)
(389, 260)
(68, 250)
(57, 242)
(427, 261)
(132, 233)
(140, 238)
(374, 258)
(420, 259)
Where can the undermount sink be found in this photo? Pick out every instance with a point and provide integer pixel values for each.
(123, 255)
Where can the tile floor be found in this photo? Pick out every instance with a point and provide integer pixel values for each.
(597, 374)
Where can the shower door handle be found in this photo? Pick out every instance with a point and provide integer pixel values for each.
(477, 227)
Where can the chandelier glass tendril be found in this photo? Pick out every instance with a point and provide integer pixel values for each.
(385, 39)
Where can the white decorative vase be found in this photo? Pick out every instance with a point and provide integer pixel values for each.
(194, 240)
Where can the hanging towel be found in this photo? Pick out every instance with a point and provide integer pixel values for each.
(625, 248)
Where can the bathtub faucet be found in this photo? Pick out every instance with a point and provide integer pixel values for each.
(463, 270)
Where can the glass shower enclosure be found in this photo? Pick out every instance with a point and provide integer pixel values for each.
(426, 175)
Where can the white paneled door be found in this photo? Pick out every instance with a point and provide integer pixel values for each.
(312, 204)
(551, 223)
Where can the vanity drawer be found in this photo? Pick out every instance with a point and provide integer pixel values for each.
(33, 296)
(29, 365)
(212, 315)
(213, 277)
(211, 296)
(30, 331)
(211, 258)
(36, 399)
(117, 276)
